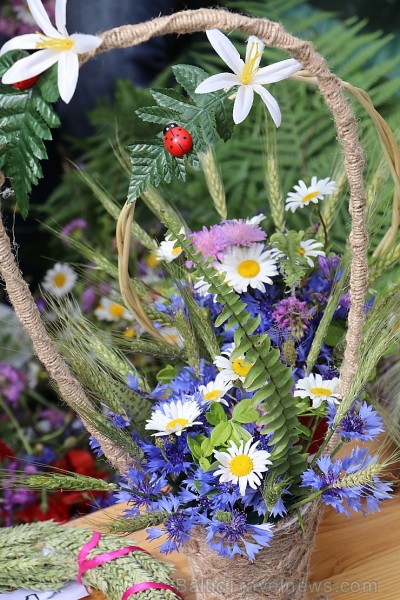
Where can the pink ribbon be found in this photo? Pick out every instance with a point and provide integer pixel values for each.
(149, 585)
(84, 564)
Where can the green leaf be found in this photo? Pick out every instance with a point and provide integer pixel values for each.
(204, 463)
(189, 77)
(221, 433)
(194, 444)
(27, 117)
(216, 414)
(334, 334)
(166, 374)
(244, 412)
(207, 447)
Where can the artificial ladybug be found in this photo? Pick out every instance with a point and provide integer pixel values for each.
(26, 83)
(177, 140)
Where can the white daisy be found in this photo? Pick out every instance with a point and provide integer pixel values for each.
(242, 466)
(310, 248)
(251, 266)
(172, 335)
(231, 370)
(256, 220)
(174, 417)
(304, 194)
(59, 280)
(55, 45)
(201, 287)
(108, 310)
(167, 250)
(317, 389)
(215, 390)
(247, 75)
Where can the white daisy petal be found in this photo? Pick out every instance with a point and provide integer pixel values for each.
(42, 19)
(277, 71)
(226, 50)
(59, 280)
(217, 82)
(30, 66)
(304, 195)
(174, 417)
(243, 103)
(270, 103)
(242, 466)
(21, 42)
(68, 73)
(85, 43)
(61, 17)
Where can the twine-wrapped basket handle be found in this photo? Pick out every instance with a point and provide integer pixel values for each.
(272, 34)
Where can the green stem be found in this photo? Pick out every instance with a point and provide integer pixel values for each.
(321, 218)
(336, 450)
(324, 445)
(307, 500)
(18, 429)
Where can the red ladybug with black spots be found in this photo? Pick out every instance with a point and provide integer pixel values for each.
(177, 140)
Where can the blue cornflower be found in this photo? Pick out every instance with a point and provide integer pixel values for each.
(331, 477)
(118, 420)
(95, 447)
(139, 481)
(231, 536)
(361, 422)
(177, 528)
(169, 457)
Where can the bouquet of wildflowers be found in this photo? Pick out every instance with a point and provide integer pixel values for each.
(262, 339)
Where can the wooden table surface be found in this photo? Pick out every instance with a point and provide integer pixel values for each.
(355, 558)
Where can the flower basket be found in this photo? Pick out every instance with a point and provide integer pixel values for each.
(280, 571)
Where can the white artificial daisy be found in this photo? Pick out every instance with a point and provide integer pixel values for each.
(108, 310)
(247, 75)
(231, 370)
(317, 389)
(201, 287)
(59, 280)
(168, 250)
(242, 465)
(172, 335)
(249, 267)
(215, 390)
(303, 194)
(54, 45)
(174, 417)
(310, 248)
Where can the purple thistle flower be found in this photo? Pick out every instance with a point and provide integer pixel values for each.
(363, 497)
(240, 233)
(230, 535)
(294, 315)
(12, 383)
(361, 422)
(208, 241)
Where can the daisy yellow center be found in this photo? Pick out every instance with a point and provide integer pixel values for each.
(59, 279)
(176, 250)
(129, 333)
(251, 65)
(301, 251)
(239, 368)
(241, 465)
(212, 395)
(178, 423)
(151, 260)
(61, 44)
(309, 197)
(320, 391)
(248, 269)
(116, 310)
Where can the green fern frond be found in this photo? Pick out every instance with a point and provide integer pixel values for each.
(27, 117)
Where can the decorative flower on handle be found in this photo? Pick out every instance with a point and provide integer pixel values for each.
(55, 45)
(247, 75)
